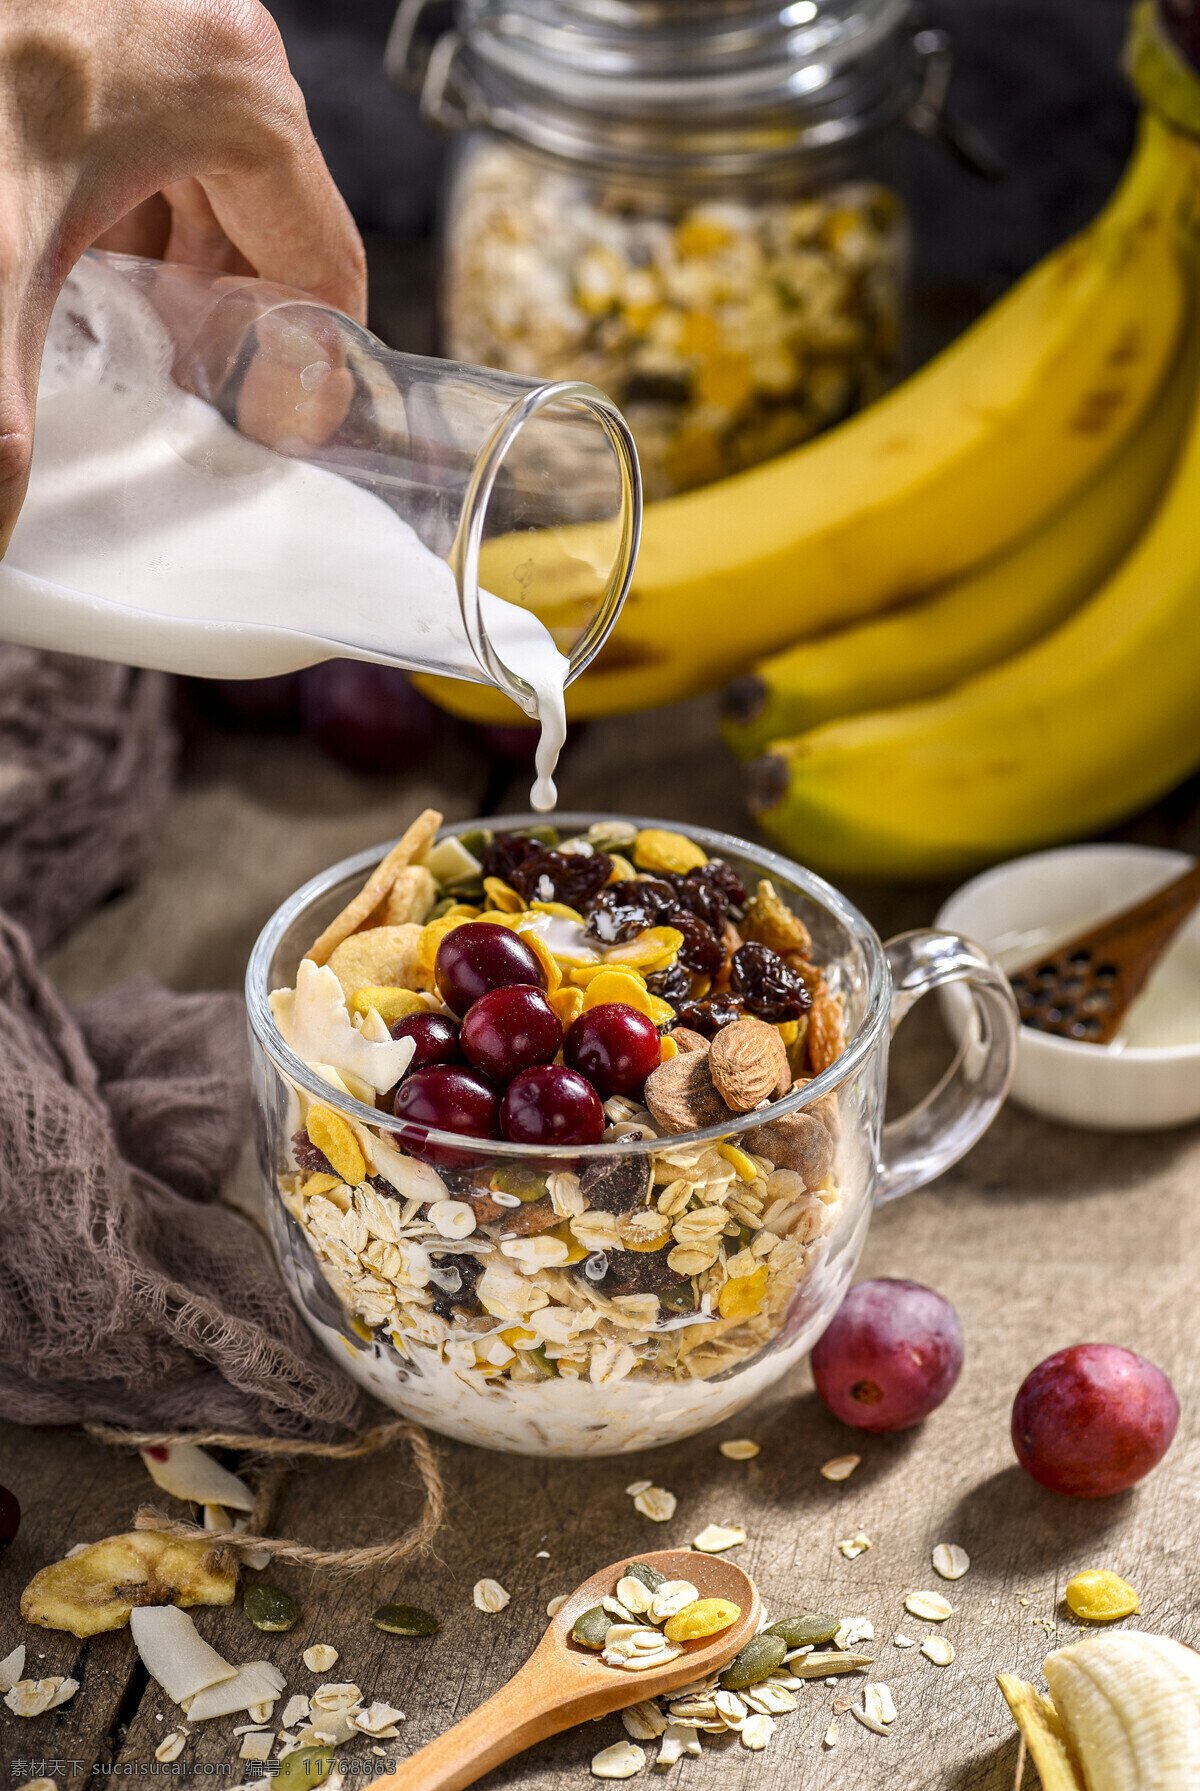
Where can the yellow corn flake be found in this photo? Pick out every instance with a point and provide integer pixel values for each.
(333, 1138)
(699, 334)
(503, 895)
(623, 871)
(668, 1049)
(653, 949)
(460, 911)
(741, 1162)
(615, 987)
(788, 1031)
(655, 849)
(699, 235)
(432, 936)
(575, 1250)
(741, 1298)
(583, 974)
(551, 968)
(703, 1617)
(559, 910)
(362, 1330)
(725, 380)
(1099, 1596)
(319, 1184)
(390, 1004)
(567, 1003)
(517, 1337)
(661, 1012)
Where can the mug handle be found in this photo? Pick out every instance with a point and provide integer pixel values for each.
(945, 1124)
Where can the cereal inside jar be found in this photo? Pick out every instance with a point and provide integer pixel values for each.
(698, 212)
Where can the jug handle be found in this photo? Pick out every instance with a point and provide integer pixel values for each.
(946, 1123)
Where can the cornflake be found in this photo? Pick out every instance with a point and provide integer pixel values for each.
(856, 1545)
(715, 1538)
(840, 1467)
(738, 1449)
(655, 1503)
(950, 1561)
(490, 1596)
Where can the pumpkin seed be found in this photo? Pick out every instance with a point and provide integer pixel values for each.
(757, 1660)
(302, 1767)
(526, 1184)
(650, 1577)
(592, 1627)
(269, 1608)
(476, 841)
(545, 836)
(405, 1620)
(805, 1630)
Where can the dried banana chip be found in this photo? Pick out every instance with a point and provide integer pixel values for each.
(387, 957)
(95, 1589)
(378, 887)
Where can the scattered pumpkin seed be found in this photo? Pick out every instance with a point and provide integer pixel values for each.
(526, 1184)
(757, 1660)
(806, 1630)
(302, 1767)
(405, 1620)
(592, 1627)
(269, 1608)
(650, 1577)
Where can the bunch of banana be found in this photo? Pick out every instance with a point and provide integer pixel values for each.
(1123, 1715)
(977, 449)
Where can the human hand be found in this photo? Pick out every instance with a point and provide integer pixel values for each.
(167, 127)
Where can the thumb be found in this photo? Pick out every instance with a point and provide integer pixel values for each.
(24, 320)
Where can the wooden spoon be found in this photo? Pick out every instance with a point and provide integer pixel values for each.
(1083, 990)
(562, 1684)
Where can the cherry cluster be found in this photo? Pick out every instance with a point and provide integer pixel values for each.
(491, 1073)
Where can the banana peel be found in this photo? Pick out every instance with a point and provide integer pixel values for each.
(1045, 1738)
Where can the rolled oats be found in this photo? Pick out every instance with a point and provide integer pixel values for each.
(490, 1596)
(856, 1545)
(657, 1504)
(756, 1732)
(938, 1649)
(929, 1605)
(320, 1657)
(620, 1761)
(714, 1539)
(33, 1697)
(739, 1449)
(950, 1561)
(644, 1722)
(171, 1746)
(840, 1467)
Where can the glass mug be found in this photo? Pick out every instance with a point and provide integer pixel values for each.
(574, 1370)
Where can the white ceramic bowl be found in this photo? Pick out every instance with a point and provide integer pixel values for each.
(1033, 904)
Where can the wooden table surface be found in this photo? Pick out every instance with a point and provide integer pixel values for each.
(1041, 1237)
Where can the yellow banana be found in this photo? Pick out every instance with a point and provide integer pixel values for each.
(1094, 721)
(963, 458)
(988, 614)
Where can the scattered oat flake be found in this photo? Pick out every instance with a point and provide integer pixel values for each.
(931, 1607)
(556, 1604)
(854, 1546)
(543, 1554)
(756, 1732)
(852, 1630)
(257, 1745)
(378, 1718)
(738, 1449)
(489, 1595)
(33, 1697)
(638, 1486)
(296, 1710)
(950, 1561)
(905, 1642)
(170, 1747)
(840, 1467)
(877, 1698)
(868, 1719)
(830, 1737)
(656, 1503)
(620, 1761)
(841, 1706)
(644, 1722)
(715, 1538)
(320, 1657)
(938, 1649)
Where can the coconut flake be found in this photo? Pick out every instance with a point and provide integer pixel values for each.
(315, 1022)
(175, 1653)
(187, 1472)
(257, 1683)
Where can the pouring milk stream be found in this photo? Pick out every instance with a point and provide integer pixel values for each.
(153, 533)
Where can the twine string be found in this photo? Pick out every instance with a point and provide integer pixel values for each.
(279, 1453)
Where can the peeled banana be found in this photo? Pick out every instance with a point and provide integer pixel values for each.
(986, 615)
(1125, 1715)
(1094, 721)
(959, 461)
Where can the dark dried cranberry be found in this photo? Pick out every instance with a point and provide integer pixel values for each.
(571, 877)
(701, 950)
(708, 1016)
(309, 1158)
(622, 910)
(618, 1185)
(506, 852)
(633, 1272)
(769, 989)
(673, 985)
(463, 1299)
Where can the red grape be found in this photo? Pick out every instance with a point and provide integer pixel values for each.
(510, 1030)
(1093, 1419)
(891, 1354)
(10, 1518)
(478, 957)
(368, 717)
(614, 1046)
(448, 1099)
(435, 1036)
(551, 1105)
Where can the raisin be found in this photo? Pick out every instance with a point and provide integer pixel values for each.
(767, 986)
(711, 893)
(709, 1015)
(622, 910)
(570, 877)
(506, 853)
(637, 1271)
(464, 1299)
(311, 1160)
(619, 1186)
(673, 985)
(701, 950)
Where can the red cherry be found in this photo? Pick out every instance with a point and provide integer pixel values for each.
(510, 1030)
(435, 1036)
(478, 957)
(551, 1105)
(892, 1352)
(448, 1099)
(614, 1046)
(1093, 1420)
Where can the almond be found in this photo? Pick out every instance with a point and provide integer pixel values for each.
(826, 1109)
(795, 1141)
(681, 1096)
(687, 1040)
(748, 1062)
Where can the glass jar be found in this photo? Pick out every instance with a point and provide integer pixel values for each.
(599, 1299)
(696, 207)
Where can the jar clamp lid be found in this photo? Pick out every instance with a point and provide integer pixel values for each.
(680, 87)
